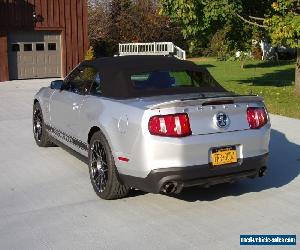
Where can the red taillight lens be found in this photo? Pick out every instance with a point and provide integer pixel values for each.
(176, 125)
(257, 117)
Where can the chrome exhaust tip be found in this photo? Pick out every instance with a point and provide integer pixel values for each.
(169, 187)
(262, 171)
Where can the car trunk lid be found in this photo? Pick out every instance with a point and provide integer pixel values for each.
(209, 115)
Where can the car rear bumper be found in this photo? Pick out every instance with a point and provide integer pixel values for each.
(203, 175)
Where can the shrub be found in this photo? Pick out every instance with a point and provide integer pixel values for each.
(218, 45)
(90, 54)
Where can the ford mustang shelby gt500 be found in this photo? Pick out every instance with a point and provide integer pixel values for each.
(153, 123)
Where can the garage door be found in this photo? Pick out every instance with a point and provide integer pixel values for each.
(34, 55)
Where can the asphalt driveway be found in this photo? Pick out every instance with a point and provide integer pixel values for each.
(47, 202)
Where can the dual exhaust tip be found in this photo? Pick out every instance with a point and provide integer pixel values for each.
(172, 187)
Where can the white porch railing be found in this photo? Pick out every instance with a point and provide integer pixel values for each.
(161, 48)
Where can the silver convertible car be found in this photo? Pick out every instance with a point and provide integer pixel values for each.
(153, 123)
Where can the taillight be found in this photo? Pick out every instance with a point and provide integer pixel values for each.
(257, 117)
(175, 125)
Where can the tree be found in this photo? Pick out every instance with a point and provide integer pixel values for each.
(280, 20)
(125, 21)
(141, 22)
(201, 19)
(284, 27)
(98, 21)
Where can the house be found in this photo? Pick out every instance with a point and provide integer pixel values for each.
(41, 38)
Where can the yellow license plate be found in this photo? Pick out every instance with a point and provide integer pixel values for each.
(223, 156)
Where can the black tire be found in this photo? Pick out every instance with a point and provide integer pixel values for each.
(40, 133)
(103, 172)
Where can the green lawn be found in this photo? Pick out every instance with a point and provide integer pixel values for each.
(274, 81)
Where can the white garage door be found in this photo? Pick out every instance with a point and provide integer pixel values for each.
(34, 55)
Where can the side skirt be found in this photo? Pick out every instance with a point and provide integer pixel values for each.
(79, 156)
(67, 138)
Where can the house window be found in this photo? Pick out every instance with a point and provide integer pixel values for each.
(52, 46)
(27, 47)
(40, 47)
(15, 47)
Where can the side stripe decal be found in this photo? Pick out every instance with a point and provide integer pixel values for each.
(67, 138)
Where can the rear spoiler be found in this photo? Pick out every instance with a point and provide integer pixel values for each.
(202, 101)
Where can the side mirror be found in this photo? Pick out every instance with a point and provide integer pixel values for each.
(57, 84)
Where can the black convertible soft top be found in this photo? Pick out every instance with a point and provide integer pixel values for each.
(116, 71)
(138, 64)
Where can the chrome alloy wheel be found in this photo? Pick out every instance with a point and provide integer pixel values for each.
(98, 166)
(37, 125)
